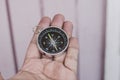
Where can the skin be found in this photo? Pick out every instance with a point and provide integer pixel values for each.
(38, 66)
(1, 78)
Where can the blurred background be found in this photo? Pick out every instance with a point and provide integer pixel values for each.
(96, 24)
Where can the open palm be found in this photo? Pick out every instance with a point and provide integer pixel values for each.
(63, 67)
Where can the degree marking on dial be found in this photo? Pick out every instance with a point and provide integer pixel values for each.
(44, 43)
(46, 37)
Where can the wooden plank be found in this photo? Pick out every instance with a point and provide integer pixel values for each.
(65, 7)
(91, 36)
(112, 59)
(25, 15)
(6, 55)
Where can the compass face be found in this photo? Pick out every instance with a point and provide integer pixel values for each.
(52, 41)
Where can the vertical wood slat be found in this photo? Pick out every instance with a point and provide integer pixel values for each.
(91, 37)
(77, 34)
(41, 8)
(25, 15)
(12, 36)
(6, 55)
(112, 56)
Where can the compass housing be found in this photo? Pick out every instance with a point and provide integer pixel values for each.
(52, 41)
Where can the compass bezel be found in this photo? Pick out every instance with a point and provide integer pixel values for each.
(51, 54)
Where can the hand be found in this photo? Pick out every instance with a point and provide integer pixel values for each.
(40, 67)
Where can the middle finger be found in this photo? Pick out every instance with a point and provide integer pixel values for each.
(58, 21)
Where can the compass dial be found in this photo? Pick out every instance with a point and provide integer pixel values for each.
(52, 41)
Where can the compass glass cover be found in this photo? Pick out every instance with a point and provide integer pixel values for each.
(52, 40)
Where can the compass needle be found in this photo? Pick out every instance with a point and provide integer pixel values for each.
(55, 47)
(50, 36)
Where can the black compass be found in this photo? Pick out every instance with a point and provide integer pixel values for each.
(52, 41)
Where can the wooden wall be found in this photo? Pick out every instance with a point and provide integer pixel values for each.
(112, 56)
(18, 17)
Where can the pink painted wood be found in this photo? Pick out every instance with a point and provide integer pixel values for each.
(92, 38)
(89, 27)
(6, 57)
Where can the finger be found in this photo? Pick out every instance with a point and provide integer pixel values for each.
(60, 58)
(44, 23)
(58, 20)
(72, 55)
(68, 27)
(33, 51)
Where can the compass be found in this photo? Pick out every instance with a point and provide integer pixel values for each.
(52, 41)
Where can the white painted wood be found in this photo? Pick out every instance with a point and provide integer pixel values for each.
(25, 15)
(112, 60)
(6, 55)
(91, 15)
(65, 7)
